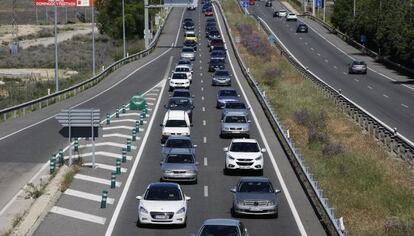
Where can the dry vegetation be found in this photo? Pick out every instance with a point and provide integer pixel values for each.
(373, 191)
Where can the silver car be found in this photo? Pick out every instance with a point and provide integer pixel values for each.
(221, 77)
(226, 95)
(179, 165)
(255, 196)
(187, 53)
(235, 107)
(222, 227)
(235, 124)
(177, 142)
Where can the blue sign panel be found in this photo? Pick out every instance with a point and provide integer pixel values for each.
(245, 3)
(318, 3)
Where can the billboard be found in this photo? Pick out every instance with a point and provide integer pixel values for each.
(64, 3)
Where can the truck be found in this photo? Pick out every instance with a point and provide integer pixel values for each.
(252, 2)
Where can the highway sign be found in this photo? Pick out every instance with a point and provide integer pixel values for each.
(64, 3)
(245, 3)
(79, 117)
(318, 3)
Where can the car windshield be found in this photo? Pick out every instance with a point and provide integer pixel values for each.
(235, 119)
(220, 230)
(227, 93)
(163, 193)
(214, 32)
(189, 23)
(216, 61)
(361, 63)
(244, 147)
(182, 69)
(190, 35)
(184, 62)
(235, 105)
(221, 73)
(219, 49)
(179, 103)
(255, 187)
(217, 54)
(181, 94)
(178, 143)
(187, 50)
(176, 123)
(189, 42)
(180, 158)
(179, 76)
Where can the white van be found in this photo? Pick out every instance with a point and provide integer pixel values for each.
(175, 123)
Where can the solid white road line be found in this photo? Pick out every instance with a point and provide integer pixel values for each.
(270, 153)
(78, 215)
(205, 191)
(112, 144)
(96, 180)
(88, 196)
(100, 153)
(121, 201)
(118, 135)
(105, 166)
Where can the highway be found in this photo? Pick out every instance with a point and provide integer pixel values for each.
(389, 100)
(211, 197)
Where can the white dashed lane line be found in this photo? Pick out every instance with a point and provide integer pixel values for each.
(202, 98)
(404, 105)
(385, 95)
(318, 54)
(370, 87)
(205, 161)
(204, 109)
(335, 67)
(204, 122)
(326, 60)
(204, 139)
(205, 191)
(356, 80)
(312, 49)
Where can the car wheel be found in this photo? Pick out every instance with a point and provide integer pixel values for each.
(276, 215)
(233, 213)
(195, 181)
(226, 171)
(139, 224)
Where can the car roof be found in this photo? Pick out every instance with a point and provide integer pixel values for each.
(164, 184)
(179, 137)
(222, 221)
(235, 113)
(174, 151)
(175, 114)
(182, 66)
(244, 140)
(254, 178)
(223, 89)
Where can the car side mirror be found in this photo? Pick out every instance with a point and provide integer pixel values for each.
(161, 163)
(238, 95)
(138, 197)
(226, 149)
(192, 96)
(187, 198)
(195, 145)
(263, 149)
(165, 106)
(233, 190)
(162, 144)
(161, 125)
(197, 163)
(277, 191)
(191, 125)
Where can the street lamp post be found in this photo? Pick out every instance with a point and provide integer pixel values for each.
(354, 8)
(56, 53)
(123, 26)
(93, 40)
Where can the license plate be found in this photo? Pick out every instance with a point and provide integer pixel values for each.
(255, 209)
(244, 167)
(236, 132)
(160, 217)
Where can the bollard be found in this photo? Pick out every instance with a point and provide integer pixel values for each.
(108, 119)
(137, 126)
(141, 121)
(76, 144)
(145, 110)
(142, 115)
(52, 164)
(117, 113)
(118, 166)
(113, 179)
(124, 154)
(124, 109)
(128, 145)
(61, 157)
(134, 135)
(104, 198)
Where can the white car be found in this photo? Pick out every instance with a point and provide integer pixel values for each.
(291, 17)
(244, 154)
(175, 122)
(179, 80)
(163, 203)
(184, 69)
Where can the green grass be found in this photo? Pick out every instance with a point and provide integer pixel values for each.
(369, 187)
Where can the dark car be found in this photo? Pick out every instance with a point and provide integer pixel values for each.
(189, 25)
(210, 29)
(185, 93)
(220, 48)
(222, 227)
(187, 20)
(211, 20)
(181, 104)
(302, 28)
(358, 67)
(209, 12)
(268, 4)
(214, 34)
(191, 43)
(215, 64)
(219, 55)
(216, 43)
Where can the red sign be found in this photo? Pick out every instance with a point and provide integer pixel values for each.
(64, 3)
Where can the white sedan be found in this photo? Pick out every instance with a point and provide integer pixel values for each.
(291, 17)
(163, 203)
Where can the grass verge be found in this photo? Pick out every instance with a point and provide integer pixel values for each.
(373, 191)
(68, 177)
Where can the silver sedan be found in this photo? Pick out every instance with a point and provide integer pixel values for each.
(235, 124)
(179, 166)
(187, 53)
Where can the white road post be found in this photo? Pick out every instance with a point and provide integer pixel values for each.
(56, 53)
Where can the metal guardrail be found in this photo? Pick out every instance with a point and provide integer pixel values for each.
(395, 142)
(39, 103)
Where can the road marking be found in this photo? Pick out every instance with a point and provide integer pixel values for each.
(113, 144)
(204, 139)
(129, 114)
(96, 180)
(385, 95)
(335, 67)
(201, 67)
(318, 54)
(300, 38)
(151, 94)
(105, 166)
(150, 104)
(272, 159)
(88, 196)
(306, 43)
(123, 120)
(152, 99)
(200, 61)
(204, 122)
(402, 104)
(202, 88)
(370, 87)
(205, 191)
(344, 73)
(202, 98)
(312, 49)
(78, 215)
(118, 127)
(201, 74)
(203, 109)
(357, 80)
(131, 175)
(205, 161)
(326, 60)
(118, 135)
(100, 153)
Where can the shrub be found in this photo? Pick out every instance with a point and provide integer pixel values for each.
(270, 75)
(331, 149)
(301, 117)
(316, 136)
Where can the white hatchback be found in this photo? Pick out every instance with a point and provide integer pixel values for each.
(163, 203)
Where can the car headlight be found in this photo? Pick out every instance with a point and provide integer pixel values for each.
(258, 158)
(271, 203)
(181, 211)
(143, 210)
(239, 202)
(230, 157)
(168, 171)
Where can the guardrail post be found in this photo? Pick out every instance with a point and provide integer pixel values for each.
(124, 155)
(117, 113)
(113, 179)
(123, 109)
(104, 198)
(137, 126)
